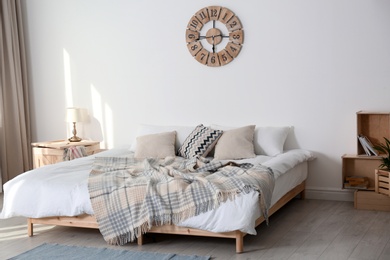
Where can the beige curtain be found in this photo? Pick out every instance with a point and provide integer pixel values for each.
(15, 134)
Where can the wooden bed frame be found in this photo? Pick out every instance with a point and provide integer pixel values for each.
(89, 221)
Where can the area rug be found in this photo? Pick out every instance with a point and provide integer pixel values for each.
(59, 252)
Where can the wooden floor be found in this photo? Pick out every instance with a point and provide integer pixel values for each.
(303, 229)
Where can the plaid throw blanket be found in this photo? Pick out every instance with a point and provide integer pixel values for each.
(74, 152)
(130, 195)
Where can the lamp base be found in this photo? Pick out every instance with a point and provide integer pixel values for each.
(74, 139)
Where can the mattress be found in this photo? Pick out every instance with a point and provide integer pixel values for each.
(62, 190)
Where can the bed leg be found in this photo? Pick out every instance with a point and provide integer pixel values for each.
(303, 194)
(30, 230)
(140, 239)
(239, 242)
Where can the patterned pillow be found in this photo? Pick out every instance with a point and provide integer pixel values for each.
(200, 142)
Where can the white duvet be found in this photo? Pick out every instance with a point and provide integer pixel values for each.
(62, 190)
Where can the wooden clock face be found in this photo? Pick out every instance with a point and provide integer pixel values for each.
(214, 36)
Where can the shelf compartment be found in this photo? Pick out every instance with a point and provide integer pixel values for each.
(373, 125)
(363, 166)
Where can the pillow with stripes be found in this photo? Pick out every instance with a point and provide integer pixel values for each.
(200, 142)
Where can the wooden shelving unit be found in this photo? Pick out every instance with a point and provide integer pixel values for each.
(375, 126)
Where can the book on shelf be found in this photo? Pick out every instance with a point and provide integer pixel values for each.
(367, 145)
(356, 182)
(370, 146)
(362, 186)
(359, 179)
(364, 147)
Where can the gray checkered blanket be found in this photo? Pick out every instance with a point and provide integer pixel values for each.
(130, 195)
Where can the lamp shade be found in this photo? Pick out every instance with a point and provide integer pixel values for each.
(74, 114)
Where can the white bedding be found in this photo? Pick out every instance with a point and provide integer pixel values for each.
(62, 190)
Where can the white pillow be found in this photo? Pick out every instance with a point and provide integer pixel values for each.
(236, 144)
(270, 140)
(159, 145)
(181, 133)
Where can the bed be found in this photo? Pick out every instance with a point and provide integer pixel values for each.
(60, 194)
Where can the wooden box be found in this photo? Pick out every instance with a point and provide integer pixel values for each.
(370, 200)
(382, 182)
(360, 165)
(373, 125)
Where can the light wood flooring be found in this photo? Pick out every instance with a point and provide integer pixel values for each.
(303, 229)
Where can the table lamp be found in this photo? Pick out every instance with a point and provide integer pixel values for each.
(74, 115)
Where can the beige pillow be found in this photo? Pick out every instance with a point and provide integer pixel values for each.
(159, 145)
(236, 144)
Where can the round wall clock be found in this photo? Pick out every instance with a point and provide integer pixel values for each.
(214, 36)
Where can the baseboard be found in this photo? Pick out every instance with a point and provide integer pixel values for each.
(320, 193)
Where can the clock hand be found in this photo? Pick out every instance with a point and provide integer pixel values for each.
(212, 36)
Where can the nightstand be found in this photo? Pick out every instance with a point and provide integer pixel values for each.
(53, 151)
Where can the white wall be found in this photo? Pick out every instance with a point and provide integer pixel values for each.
(309, 64)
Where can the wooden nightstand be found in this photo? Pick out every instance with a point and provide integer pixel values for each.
(53, 151)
